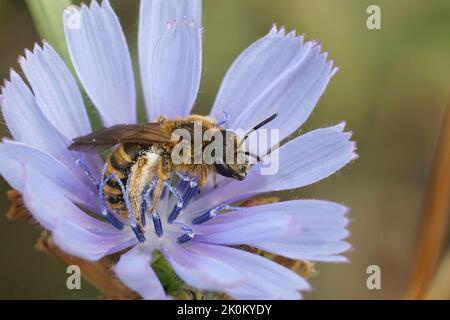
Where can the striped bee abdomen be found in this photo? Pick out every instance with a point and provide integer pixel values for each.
(120, 164)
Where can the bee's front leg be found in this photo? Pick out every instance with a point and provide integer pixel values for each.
(164, 169)
(214, 176)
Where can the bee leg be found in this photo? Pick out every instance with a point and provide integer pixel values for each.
(215, 180)
(157, 194)
(203, 176)
(100, 186)
(164, 168)
(146, 203)
(133, 223)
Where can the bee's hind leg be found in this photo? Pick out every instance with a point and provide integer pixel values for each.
(147, 203)
(100, 185)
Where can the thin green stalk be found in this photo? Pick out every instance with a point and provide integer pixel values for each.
(47, 15)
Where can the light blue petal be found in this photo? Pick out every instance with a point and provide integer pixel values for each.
(328, 251)
(91, 245)
(298, 229)
(176, 69)
(303, 161)
(278, 74)
(264, 279)
(201, 271)
(101, 58)
(27, 123)
(73, 230)
(134, 270)
(154, 16)
(15, 157)
(56, 91)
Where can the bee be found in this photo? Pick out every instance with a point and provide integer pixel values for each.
(142, 154)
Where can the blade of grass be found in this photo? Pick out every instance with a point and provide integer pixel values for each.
(435, 218)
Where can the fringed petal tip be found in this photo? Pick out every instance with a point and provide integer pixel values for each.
(101, 58)
(39, 48)
(348, 135)
(177, 62)
(313, 43)
(54, 86)
(281, 32)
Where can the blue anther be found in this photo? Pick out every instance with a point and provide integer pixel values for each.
(138, 233)
(204, 217)
(212, 213)
(191, 186)
(174, 214)
(188, 236)
(143, 219)
(190, 193)
(157, 223)
(112, 219)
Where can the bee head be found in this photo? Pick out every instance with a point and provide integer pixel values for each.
(233, 162)
(238, 167)
(236, 171)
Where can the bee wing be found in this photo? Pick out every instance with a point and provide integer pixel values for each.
(104, 138)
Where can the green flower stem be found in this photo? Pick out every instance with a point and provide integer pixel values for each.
(47, 15)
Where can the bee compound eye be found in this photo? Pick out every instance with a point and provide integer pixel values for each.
(224, 170)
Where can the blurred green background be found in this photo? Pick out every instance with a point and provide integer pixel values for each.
(392, 89)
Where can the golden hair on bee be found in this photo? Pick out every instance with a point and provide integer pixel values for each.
(143, 157)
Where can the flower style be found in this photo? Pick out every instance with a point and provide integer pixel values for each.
(278, 73)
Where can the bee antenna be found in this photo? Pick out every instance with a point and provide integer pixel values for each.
(249, 154)
(259, 126)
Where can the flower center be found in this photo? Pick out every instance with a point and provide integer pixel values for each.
(177, 194)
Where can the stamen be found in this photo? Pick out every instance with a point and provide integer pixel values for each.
(143, 212)
(192, 189)
(212, 213)
(188, 235)
(112, 219)
(185, 238)
(138, 233)
(83, 166)
(175, 192)
(157, 223)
